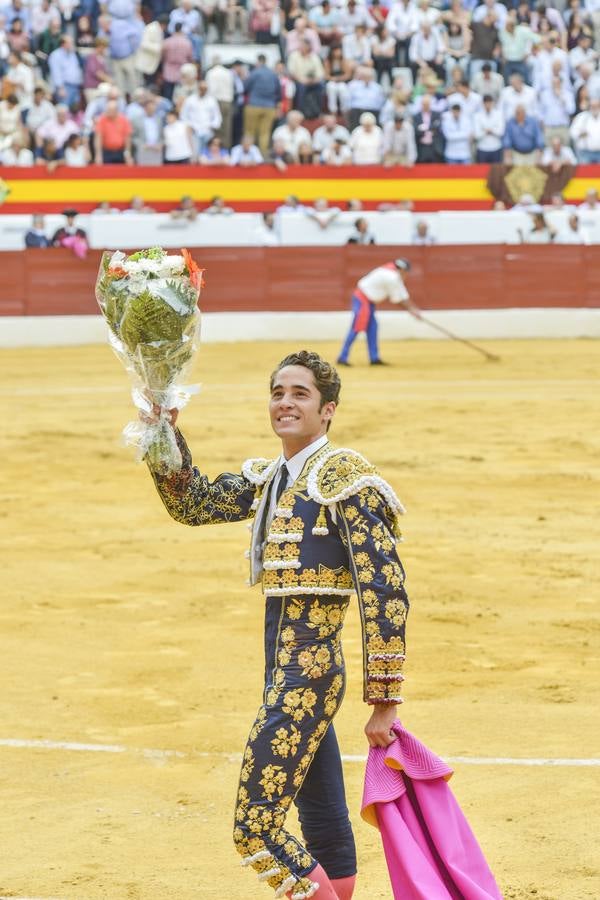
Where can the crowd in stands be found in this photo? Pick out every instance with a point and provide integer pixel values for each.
(366, 82)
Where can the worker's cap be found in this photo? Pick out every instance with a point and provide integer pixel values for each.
(402, 264)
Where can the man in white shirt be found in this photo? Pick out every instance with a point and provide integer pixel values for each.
(293, 134)
(220, 86)
(488, 127)
(490, 6)
(573, 233)
(327, 133)
(458, 132)
(201, 111)
(556, 155)
(383, 283)
(517, 93)
(427, 50)
(402, 23)
(585, 132)
(366, 141)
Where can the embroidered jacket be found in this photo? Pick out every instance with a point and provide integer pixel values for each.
(333, 532)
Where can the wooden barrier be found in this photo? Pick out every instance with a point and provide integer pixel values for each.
(54, 282)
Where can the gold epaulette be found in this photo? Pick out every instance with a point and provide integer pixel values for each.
(342, 473)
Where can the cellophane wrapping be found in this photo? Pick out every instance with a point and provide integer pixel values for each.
(150, 302)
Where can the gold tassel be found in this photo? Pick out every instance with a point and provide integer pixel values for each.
(321, 525)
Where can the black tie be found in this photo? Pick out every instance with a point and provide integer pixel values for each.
(282, 483)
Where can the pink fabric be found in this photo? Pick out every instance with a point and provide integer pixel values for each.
(430, 849)
(76, 243)
(344, 887)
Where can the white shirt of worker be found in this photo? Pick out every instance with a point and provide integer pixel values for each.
(383, 284)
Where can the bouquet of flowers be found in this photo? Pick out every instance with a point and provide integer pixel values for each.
(150, 302)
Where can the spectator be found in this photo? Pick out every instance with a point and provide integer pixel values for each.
(218, 208)
(485, 45)
(458, 133)
(147, 134)
(84, 36)
(556, 106)
(65, 72)
(322, 213)
(138, 207)
(540, 233)
(326, 21)
(246, 154)
(517, 93)
(263, 16)
(422, 237)
(22, 79)
(48, 42)
(457, 41)
(293, 133)
(214, 154)
(238, 72)
(428, 133)
(364, 95)
(18, 38)
(214, 13)
(402, 25)
(104, 208)
(325, 135)
(291, 204)
(591, 202)
(491, 7)
(489, 127)
(263, 98)
(355, 14)
(573, 233)
(523, 139)
(179, 140)
(366, 141)
(279, 156)
(202, 112)
(399, 146)
(486, 82)
(221, 86)
(266, 233)
(469, 102)
(192, 26)
(188, 84)
(356, 46)
(125, 37)
(58, 129)
(305, 156)
(516, 40)
(338, 72)
(17, 154)
(36, 236)
(76, 153)
(49, 155)
(361, 234)
(300, 33)
(585, 133)
(426, 51)
(10, 120)
(40, 111)
(176, 51)
(306, 68)
(236, 15)
(186, 209)
(337, 154)
(149, 52)
(69, 235)
(383, 52)
(42, 14)
(556, 155)
(96, 71)
(112, 137)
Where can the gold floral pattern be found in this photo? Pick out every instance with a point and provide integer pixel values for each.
(315, 661)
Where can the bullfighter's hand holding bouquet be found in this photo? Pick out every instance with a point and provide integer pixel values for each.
(150, 302)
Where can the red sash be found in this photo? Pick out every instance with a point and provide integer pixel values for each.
(361, 319)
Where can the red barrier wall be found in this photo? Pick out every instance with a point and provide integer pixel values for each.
(54, 282)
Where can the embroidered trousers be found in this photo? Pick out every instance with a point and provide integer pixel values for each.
(292, 753)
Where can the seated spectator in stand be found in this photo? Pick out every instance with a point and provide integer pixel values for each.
(291, 204)
(262, 16)
(322, 213)
(556, 155)
(428, 133)
(306, 157)
(354, 205)
(361, 233)
(366, 141)
(330, 131)
(47, 42)
(202, 112)
(66, 73)
(112, 137)
(540, 233)
(364, 95)
(21, 79)
(556, 105)
(306, 68)
(383, 52)
(10, 120)
(457, 44)
(58, 129)
(246, 154)
(278, 155)
(516, 41)
(179, 140)
(77, 153)
(356, 46)
(96, 70)
(337, 154)
(214, 13)
(498, 10)
(458, 135)
(36, 236)
(573, 233)
(300, 33)
(585, 133)
(185, 210)
(218, 208)
(399, 146)
(422, 236)
(485, 44)
(326, 21)
(523, 140)
(84, 36)
(40, 111)
(488, 128)
(266, 233)
(49, 155)
(427, 51)
(214, 154)
(293, 133)
(591, 202)
(338, 73)
(17, 154)
(138, 207)
(69, 235)
(517, 93)
(488, 83)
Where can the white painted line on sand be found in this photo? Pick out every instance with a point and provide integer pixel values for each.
(25, 743)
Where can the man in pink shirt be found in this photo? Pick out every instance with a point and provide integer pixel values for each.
(96, 69)
(176, 51)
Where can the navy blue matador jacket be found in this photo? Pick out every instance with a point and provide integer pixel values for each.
(333, 534)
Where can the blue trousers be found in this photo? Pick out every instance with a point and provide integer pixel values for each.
(292, 755)
(352, 334)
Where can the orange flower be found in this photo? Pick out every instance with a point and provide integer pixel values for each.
(194, 271)
(117, 272)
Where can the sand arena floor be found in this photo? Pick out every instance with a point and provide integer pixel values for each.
(120, 627)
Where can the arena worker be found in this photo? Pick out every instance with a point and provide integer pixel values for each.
(383, 283)
(324, 526)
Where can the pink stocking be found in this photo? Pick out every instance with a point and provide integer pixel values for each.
(325, 891)
(344, 887)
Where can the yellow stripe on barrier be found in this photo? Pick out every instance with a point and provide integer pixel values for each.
(93, 190)
(577, 187)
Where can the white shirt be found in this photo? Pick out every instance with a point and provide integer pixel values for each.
(485, 122)
(585, 131)
(383, 284)
(220, 83)
(510, 99)
(294, 465)
(292, 139)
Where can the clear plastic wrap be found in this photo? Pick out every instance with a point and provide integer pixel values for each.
(150, 303)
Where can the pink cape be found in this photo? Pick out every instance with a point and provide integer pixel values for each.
(431, 852)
